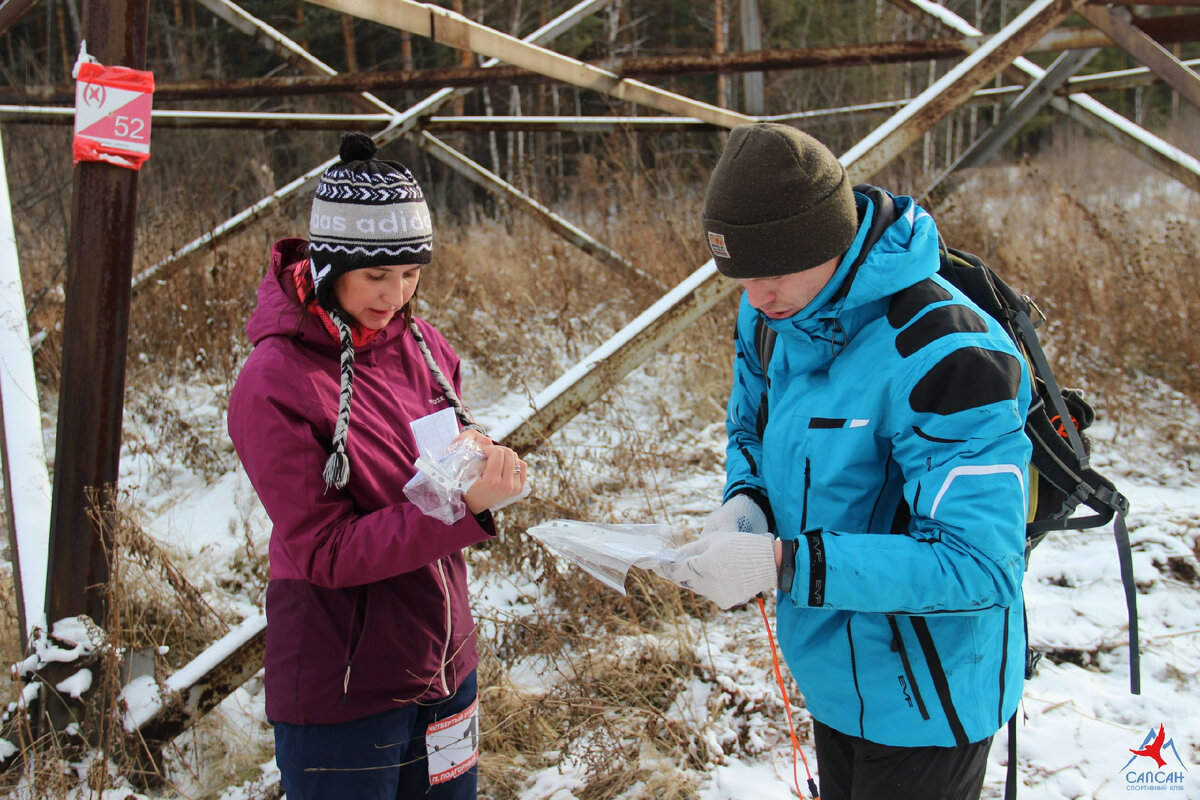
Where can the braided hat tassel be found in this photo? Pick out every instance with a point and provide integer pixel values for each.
(337, 467)
(464, 414)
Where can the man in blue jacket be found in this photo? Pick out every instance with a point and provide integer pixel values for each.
(892, 467)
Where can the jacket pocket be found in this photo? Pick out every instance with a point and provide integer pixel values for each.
(908, 683)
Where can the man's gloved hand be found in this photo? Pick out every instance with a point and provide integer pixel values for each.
(727, 567)
(738, 513)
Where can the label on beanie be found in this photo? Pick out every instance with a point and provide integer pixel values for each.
(112, 115)
(716, 243)
(373, 223)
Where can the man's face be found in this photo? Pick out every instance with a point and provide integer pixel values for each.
(786, 295)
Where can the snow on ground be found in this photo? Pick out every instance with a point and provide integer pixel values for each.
(1079, 721)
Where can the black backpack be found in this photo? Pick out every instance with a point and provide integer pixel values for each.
(1061, 476)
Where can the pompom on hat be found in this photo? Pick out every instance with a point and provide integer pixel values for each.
(366, 213)
(778, 202)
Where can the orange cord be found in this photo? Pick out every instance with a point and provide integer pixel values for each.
(787, 707)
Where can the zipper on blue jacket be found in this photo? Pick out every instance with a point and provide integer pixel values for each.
(862, 704)
(934, 662)
(899, 648)
(1003, 670)
(807, 487)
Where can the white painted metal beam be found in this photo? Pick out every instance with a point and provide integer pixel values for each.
(27, 490)
(1084, 109)
(401, 123)
(454, 30)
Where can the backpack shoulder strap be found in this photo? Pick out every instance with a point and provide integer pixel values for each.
(764, 345)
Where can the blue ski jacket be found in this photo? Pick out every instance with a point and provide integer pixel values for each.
(894, 464)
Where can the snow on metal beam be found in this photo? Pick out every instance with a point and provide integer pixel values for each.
(454, 30)
(1030, 101)
(159, 714)
(27, 490)
(1086, 110)
(956, 86)
(605, 366)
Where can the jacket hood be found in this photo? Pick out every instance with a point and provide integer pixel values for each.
(280, 312)
(904, 253)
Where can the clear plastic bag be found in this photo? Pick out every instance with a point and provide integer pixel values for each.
(607, 551)
(437, 488)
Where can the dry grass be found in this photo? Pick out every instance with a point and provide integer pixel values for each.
(521, 306)
(1110, 258)
(153, 610)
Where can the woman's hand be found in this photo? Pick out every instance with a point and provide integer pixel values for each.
(503, 475)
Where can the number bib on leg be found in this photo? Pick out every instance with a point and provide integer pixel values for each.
(452, 744)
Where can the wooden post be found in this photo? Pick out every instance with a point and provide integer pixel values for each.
(95, 332)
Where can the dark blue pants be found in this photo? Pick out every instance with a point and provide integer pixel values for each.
(381, 757)
(856, 769)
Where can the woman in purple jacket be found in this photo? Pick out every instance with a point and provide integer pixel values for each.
(370, 645)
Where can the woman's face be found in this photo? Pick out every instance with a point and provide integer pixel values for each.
(373, 295)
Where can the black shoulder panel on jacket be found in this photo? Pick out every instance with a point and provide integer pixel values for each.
(939, 322)
(907, 303)
(971, 377)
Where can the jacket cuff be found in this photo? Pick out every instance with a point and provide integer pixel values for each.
(487, 522)
(810, 567)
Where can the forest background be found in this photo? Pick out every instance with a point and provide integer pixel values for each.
(1113, 268)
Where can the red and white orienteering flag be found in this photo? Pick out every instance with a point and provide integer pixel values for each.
(112, 114)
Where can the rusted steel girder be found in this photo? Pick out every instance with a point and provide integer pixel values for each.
(168, 118)
(1085, 110)
(454, 30)
(12, 11)
(95, 338)
(956, 86)
(1146, 50)
(1165, 30)
(401, 123)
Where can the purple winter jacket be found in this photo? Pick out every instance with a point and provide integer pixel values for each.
(367, 603)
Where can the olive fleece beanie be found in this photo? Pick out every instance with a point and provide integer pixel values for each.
(778, 202)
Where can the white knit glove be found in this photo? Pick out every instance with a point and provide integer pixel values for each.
(738, 513)
(727, 567)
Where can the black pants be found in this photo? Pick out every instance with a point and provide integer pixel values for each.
(855, 769)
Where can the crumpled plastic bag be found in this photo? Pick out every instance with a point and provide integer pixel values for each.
(438, 487)
(607, 551)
